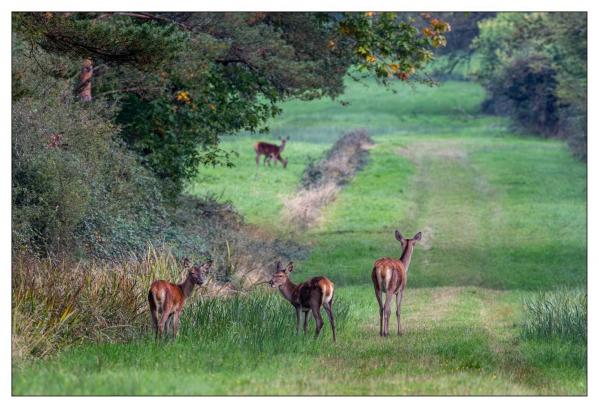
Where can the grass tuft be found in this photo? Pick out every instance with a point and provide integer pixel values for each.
(260, 320)
(561, 314)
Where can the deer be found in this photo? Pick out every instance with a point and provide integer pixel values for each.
(390, 276)
(309, 296)
(168, 298)
(270, 151)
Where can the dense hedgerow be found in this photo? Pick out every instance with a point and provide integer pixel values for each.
(534, 66)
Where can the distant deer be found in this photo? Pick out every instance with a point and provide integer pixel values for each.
(391, 276)
(270, 151)
(168, 298)
(310, 295)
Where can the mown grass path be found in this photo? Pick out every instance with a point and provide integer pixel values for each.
(499, 214)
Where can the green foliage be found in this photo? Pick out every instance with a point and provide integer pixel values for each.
(183, 79)
(260, 322)
(101, 36)
(71, 182)
(491, 207)
(561, 314)
(526, 89)
(534, 68)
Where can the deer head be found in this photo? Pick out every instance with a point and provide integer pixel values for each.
(185, 263)
(283, 143)
(281, 275)
(407, 241)
(197, 273)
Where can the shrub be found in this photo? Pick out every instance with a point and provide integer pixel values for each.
(534, 66)
(561, 314)
(525, 89)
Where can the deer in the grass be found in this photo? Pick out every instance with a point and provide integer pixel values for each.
(308, 296)
(168, 299)
(391, 276)
(270, 151)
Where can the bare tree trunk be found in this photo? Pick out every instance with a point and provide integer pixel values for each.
(85, 84)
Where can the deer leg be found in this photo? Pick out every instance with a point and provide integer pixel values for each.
(398, 301)
(154, 314)
(176, 324)
(305, 322)
(257, 159)
(377, 292)
(162, 326)
(328, 307)
(297, 319)
(387, 313)
(169, 324)
(316, 313)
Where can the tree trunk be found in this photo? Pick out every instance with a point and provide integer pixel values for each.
(85, 84)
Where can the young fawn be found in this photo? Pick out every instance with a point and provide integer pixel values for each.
(270, 151)
(391, 276)
(168, 298)
(310, 295)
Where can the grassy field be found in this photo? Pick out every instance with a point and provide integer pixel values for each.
(503, 217)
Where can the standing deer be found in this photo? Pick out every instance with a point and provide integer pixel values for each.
(391, 276)
(168, 298)
(310, 295)
(270, 151)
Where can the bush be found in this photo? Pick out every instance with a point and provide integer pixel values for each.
(525, 89)
(561, 314)
(75, 189)
(534, 66)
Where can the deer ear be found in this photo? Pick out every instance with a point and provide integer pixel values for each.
(208, 264)
(289, 267)
(186, 263)
(398, 236)
(418, 236)
(278, 266)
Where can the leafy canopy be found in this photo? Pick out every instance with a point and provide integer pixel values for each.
(182, 80)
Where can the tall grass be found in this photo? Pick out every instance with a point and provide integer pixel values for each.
(561, 314)
(257, 321)
(59, 303)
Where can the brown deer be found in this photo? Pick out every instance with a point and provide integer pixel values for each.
(270, 151)
(310, 295)
(391, 276)
(168, 298)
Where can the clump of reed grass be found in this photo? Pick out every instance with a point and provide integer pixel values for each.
(257, 320)
(561, 314)
(56, 304)
(60, 303)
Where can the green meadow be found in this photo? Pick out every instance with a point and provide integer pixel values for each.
(503, 218)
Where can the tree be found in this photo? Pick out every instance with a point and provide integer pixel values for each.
(182, 80)
(534, 66)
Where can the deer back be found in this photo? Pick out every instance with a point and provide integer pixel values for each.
(166, 294)
(389, 275)
(318, 289)
(267, 148)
